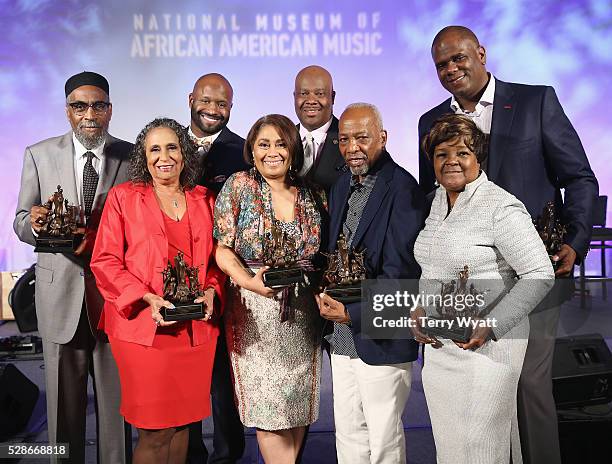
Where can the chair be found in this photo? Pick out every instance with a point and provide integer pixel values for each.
(600, 240)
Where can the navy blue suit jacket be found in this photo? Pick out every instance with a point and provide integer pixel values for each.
(391, 221)
(534, 151)
(224, 158)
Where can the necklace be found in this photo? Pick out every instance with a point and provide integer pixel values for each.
(175, 202)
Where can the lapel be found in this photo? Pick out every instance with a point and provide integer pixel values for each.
(151, 205)
(199, 219)
(111, 164)
(329, 157)
(381, 187)
(341, 195)
(64, 160)
(504, 107)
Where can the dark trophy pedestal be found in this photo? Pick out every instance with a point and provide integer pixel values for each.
(183, 312)
(345, 293)
(181, 288)
(456, 333)
(345, 271)
(284, 277)
(57, 244)
(58, 229)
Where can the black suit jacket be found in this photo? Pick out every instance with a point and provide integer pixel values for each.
(534, 151)
(224, 158)
(391, 221)
(329, 165)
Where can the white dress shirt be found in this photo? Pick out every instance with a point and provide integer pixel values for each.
(483, 113)
(318, 137)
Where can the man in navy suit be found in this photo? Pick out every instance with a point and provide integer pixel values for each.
(220, 155)
(379, 207)
(534, 152)
(313, 97)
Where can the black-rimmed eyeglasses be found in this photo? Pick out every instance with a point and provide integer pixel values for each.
(81, 108)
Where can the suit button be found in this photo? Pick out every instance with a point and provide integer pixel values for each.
(82, 273)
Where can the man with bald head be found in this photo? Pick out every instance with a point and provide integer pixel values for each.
(221, 155)
(379, 208)
(534, 152)
(221, 150)
(86, 162)
(313, 98)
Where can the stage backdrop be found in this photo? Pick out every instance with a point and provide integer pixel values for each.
(152, 51)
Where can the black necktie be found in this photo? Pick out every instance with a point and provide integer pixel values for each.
(90, 182)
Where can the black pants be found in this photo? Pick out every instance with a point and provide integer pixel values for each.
(228, 438)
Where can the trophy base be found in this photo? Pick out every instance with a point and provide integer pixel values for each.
(283, 277)
(458, 334)
(345, 293)
(57, 244)
(183, 312)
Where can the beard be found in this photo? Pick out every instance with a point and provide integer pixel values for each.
(208, 130)
(360, 171)
(90, 141)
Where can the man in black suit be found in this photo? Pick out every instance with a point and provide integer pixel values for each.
(221, 156)
(314, 103)
(534, 152)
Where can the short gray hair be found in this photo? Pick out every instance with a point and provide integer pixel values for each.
(369, 106)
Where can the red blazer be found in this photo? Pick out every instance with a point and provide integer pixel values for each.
(131, 251)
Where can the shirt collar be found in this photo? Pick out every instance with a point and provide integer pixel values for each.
(80, 150)
(200, 140)
(318, 134)
(486, 99)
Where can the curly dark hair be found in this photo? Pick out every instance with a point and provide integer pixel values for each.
(450, 126)
(139, 172)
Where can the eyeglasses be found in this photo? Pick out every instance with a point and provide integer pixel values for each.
(80, 108)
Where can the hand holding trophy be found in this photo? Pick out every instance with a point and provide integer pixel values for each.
(551, 231)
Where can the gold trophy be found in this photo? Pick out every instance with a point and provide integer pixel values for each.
(58, 234)
(181, 288)
(551, 231)
(345, 271)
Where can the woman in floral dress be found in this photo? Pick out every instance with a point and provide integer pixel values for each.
(276, 365)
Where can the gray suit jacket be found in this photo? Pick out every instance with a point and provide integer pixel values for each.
(63, 280)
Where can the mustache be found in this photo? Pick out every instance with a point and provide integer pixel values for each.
(83, 124)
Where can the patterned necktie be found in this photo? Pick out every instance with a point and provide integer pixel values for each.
(90, 183)
(204, 147)
(308, 154)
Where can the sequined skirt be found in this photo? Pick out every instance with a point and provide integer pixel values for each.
(276, 366)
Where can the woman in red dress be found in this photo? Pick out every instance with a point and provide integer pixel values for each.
(165, 368)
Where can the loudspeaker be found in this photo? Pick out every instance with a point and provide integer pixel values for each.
(22, 301)
(585, 437)
(582, 371)
(18, 396)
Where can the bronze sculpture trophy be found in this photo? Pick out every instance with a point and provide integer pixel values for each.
(58, 234)
(280, 253)
(551, 231)
(452, 292)
(181, 288)
(345, 271)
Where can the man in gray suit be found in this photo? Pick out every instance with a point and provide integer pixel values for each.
(86, 162)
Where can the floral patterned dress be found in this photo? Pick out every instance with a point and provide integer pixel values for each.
(276, 366)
